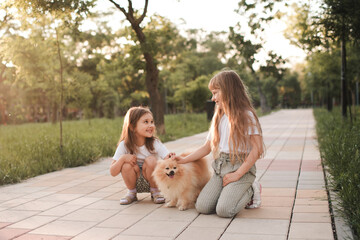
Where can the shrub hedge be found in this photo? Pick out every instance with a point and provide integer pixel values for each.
(339, 142)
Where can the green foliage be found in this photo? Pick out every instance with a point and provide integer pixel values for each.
(340, 149)
(32, 149)
(194, 94)
(290, 91)
(341, 17)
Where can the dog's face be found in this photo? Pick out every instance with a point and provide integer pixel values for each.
(168, 168)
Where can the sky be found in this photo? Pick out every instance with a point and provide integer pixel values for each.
(211, 15)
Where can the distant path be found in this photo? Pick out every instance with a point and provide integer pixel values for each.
(83, 202)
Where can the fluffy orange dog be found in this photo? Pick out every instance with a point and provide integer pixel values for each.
(181, 183)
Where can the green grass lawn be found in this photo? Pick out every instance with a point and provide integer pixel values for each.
(32, 149)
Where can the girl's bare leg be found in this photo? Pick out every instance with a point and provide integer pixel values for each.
(148, 169)
(129, 174)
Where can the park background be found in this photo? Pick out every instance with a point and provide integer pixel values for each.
(69, 70)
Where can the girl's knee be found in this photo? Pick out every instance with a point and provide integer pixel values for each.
(127, 167)
(203, 208)
(225, 211)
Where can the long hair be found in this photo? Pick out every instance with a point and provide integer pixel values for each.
(128, 134)
(237, 104)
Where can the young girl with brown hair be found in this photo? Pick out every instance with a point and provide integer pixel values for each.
(137, 153)
(235, 138)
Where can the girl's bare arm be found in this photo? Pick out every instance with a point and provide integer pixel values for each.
(116, 166)
(199, 153)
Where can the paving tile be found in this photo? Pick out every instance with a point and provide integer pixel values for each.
(311, 201)
(91, 215)
(99, 194)
(211, 220)
(311, 217)
(97, 233)
(61, 197)
(127, 237)
(14, 202)
(64, 228)
(278, 192)
(4, 224)
(9, 233)
(121, 221)
(278, 177)
(311, 231)
(4, 196)
(311, 187)
(81, 190)
(266, 213)
(141, 208)
(105, 204)
(201, 233)
(33, 222)
(237, 236)
(29, 236)
(116, 196)
(316, 194)
(84, 201)
(311, 208)
(311, 182)
(37, 195)
(258, 226)
(278, 184)
(156, 228)
(61, 210)
(277, 201)
(46, 183)
(172, 214)
(15, 215)
(37, 205)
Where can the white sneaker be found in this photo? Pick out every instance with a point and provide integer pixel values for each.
(255, 201)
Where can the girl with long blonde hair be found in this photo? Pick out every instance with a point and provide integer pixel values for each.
(235, 139)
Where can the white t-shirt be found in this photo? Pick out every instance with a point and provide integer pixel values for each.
(159, 151)
(224, 132)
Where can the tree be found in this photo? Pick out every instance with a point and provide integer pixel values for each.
(342, 21)
(259, 14)
(152, 71)
(246, 51)
(63, 13)
(336, 21)
(6, 23)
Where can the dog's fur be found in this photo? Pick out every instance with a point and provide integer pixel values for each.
(181, 183)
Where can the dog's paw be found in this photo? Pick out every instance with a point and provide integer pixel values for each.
(182, 208)
(170, 204)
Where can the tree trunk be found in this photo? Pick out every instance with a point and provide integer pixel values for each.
(263, 101)
(343, 76)
(329, 98)
(61, 90)
(152, 79)
(152, 72)
(3, 115)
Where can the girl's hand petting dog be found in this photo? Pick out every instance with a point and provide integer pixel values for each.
(170, 155)
(180, 159)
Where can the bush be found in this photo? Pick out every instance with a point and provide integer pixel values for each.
(32, 149)
(339, 142)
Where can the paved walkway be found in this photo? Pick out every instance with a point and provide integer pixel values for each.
(83, 202)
